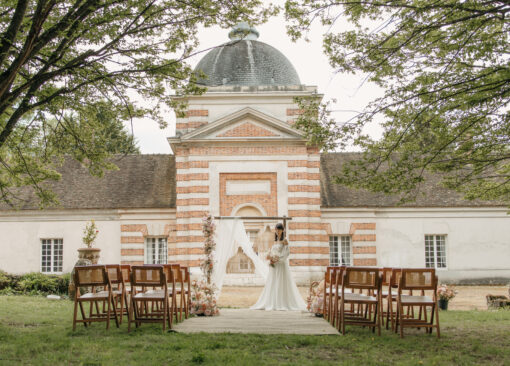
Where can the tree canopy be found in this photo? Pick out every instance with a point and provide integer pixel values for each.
(71, 72)
(444, 67)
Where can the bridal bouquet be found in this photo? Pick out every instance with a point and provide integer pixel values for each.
(273, 259)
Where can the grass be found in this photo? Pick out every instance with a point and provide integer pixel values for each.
(37, 331)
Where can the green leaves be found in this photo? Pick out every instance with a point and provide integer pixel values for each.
(74, 66)
(444, 66)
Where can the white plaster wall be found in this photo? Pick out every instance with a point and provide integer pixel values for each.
(477, 240)
(20, 239)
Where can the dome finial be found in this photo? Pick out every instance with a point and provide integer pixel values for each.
(242, 30)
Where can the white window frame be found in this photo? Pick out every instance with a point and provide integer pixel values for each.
(52, 242)
(252, 234)
(338, 250)
(157, 240)
(436, 241)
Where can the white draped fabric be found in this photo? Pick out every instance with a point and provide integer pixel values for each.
(230, 235)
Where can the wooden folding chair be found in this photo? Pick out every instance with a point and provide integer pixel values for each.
(424, 279)
(335, 292)
(179, 288)
(328, 289)
(392, 297)
(186, 290)
(119, 292)
(363, 279)
(93, 276)
(142, 307)
(385, 292)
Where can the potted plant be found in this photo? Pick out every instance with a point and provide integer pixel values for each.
(445, 294)
(89, 236)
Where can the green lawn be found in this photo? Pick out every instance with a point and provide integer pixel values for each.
(37, 331)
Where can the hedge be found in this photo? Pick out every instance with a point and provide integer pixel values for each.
(33, 283)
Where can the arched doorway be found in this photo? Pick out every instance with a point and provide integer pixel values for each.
(240, 263)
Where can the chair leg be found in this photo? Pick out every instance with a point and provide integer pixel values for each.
(75, 314)
(437, 320)
(379, 310)
(169, 315)
(130, 315)
(342, 316)
(165, 305)
(108, 313)
(397, 315)
(114, 305)
(83, 316)
(401, 320)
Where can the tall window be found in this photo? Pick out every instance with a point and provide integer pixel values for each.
(252, 235)
(340, 250)
(435, 251)
(52, 255)
(157, 251)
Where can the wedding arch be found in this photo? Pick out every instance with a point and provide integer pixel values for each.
(230, 235)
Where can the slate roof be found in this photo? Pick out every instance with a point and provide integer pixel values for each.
(142, 181)
(246, 63)
(148, 181)
(434, 194)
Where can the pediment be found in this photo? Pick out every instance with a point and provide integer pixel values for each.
(247, 123)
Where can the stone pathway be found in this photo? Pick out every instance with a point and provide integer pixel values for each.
(257, 321)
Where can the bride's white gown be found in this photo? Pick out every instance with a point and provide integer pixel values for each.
(280, 291)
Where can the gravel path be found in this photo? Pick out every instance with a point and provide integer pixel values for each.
(468, 297)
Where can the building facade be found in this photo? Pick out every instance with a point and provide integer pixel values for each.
(236, 153)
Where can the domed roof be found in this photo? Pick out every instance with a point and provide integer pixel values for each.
(244, 61)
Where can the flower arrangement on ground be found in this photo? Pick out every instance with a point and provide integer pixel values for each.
(203, 299)
(446, 293)
(90, 233)
(203, 293)
(315, 299)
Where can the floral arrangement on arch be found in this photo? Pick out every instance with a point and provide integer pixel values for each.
(207, 264)
(446, 293)
(203, 299)
(203, 293)
(315, 299)
(90, 233)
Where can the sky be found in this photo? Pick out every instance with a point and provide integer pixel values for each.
(308, 59)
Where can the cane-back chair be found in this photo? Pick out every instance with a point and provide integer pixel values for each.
(186, 290)
(179, 289)
(93, 277)
(424, 279)
(327, 295)
(149, 306)
(364, 279)
(119, 295)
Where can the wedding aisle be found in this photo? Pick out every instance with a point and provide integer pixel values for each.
(257, 321)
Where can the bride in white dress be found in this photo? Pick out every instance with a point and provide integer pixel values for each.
(280, 291)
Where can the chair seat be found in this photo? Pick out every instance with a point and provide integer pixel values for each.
(383, 293)
(102, 295)
(159, 292)
(149, 295)
(360, 297)
(409, 299)
(114, 293)
(333, 290)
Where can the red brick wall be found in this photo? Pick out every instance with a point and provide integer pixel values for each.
(268, 201)
(247, 130)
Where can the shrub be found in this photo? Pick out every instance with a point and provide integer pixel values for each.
(4, 280)
(33, 284)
